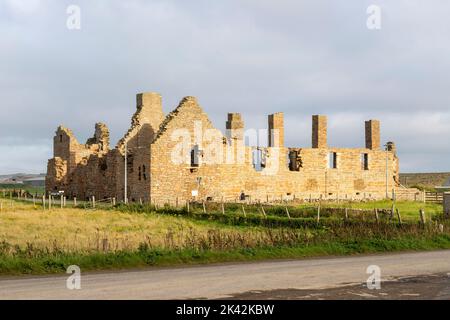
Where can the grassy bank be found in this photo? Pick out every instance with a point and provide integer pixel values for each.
(146, 257)
(34, 241)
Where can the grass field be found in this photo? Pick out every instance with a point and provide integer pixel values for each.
(36, 241)
(31, 189)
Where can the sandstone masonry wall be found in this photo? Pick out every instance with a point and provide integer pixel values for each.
(182, 156)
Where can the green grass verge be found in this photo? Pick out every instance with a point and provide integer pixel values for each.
(145, 257)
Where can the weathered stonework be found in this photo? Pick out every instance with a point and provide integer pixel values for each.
(319, 131)
(212, 165)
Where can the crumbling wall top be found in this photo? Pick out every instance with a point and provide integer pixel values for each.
(148, 112)
(101, 137)
(188, 102)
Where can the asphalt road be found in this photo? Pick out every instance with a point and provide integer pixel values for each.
(244, 280)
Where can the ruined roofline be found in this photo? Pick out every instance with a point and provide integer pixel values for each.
(100, 137)
(138, 118)
(185, 102)
(67, 131)
(100, 127)
(151, 100)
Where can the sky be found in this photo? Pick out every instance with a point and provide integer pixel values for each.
(255, 57)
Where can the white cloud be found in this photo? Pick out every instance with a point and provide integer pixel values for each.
(23, 7)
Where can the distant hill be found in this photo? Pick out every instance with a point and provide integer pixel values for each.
(20, 178)
(428, 180)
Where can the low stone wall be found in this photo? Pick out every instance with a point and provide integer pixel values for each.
(409, 194)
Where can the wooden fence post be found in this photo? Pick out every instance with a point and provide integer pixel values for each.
(287, 212)
(74, 201)
(243, 210)
(318, 213)
(204, 206)
(93, 201)
(399, 216)
(346, 213)
(43, 202)
(263, 211)
(187, 205)
(376, 215)
(223, 208)
(422, 216)
(49, 202)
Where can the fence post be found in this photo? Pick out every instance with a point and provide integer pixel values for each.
(204, 206)
(346, 213)
(243, 210)
(187, 205)
(422, 216)
(223, 208)
(93, 201)
(61, 201)
(263, 211)
(49, 202)
(43, 202)
(392, 210)
(318, 213)
(74, 201)
(287, 212)
(376, 215)
(399, 216)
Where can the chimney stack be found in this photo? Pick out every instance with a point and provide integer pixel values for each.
(373, 134)
(149, 109)
(276, 130)
(319, 131)
(235, 126)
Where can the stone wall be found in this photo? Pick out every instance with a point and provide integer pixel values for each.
(314, 178)
(182, 156)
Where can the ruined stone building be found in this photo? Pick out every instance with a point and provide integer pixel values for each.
(181, 156)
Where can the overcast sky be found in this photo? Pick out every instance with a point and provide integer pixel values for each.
(254, 57)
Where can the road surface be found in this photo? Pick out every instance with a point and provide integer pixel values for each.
(233, 280)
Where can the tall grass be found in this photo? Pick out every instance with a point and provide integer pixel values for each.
(37, 241)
